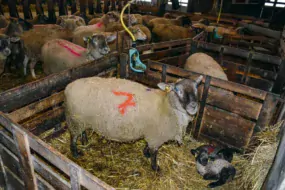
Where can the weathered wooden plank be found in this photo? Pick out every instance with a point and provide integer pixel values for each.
(228, 101)
(163, 53)
(13, 182)
(45, 121)
(10, 161)
(75, 177)
(36, 107)
(13, 99)
(26, 164)
(227, 127)
(42, 184)
(227, 85)
(3, 176)
(274, 60)
(49, 175)
(202, 106)
(267, 111)
(55, 158)
(8, 142)
(280, 81)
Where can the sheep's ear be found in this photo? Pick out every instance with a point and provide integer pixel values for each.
(111, 37)
(193, 152)
(86, 38)
(165, 87)
(199, 80)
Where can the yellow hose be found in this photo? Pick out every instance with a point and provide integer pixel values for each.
(122, 21)
(220, 12)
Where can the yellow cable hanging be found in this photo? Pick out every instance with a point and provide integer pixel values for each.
(122, 21)
(220, 12)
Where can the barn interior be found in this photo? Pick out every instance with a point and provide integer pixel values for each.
(236, 46)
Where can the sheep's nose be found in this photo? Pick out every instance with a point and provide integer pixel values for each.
(107, 49)
(193, 104)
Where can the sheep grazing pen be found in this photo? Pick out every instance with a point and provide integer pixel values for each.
(34, 139)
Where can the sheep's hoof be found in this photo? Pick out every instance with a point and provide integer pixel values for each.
(156, 168)
(146, 152)
(77, 154)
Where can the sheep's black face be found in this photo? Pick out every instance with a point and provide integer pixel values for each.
(201, 156)
(187, 93)
(5, 50)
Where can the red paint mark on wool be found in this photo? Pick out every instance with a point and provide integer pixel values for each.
(99, 24)
(70, 47)
(129, 102)
(210, 149)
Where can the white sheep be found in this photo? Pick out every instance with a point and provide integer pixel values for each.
(122, 110)
(205, 64)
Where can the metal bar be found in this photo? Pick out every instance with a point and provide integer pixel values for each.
(278, 87)
(202, 106)
(3, 175)
(247, 70)
(25, 159)
(123, 65)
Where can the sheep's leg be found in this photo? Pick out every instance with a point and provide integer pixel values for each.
(32, 68)
(153, 157)
(84, 139)
(210, 176)
(146, 151)
(226, 173)
(25, 64)
(73, 146)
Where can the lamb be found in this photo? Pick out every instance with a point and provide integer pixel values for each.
(133, 20)
(151, 114)
(59, 54)
(100, 26)
(166, 32)
(35, 39)
(216, 169)
(147, 18)
(205, 64)
(220, 30)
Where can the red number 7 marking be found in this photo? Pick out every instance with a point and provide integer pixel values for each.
(129, 102)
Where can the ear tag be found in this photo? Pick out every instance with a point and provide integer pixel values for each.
(167, 89)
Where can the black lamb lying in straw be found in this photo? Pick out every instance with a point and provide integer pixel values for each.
(214, 163)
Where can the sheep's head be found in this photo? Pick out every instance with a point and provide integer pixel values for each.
(133, 19)
(97, 44)
(185, 21)
(187, 92)
(111, 17)
(201, 155)
(138, 33)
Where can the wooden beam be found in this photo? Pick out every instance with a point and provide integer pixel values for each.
(22, 144)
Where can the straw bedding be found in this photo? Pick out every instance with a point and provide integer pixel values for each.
(123, 166)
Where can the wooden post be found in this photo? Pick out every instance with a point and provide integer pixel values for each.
(62, 7)
(25, 159)
(82, 4)
(98, 6)
(279, 84)
(73, 7)
(51, 11)
(74, 177)
(247, 70)
(13, 8)
(113, 5)
(163, 73)
(202, 106)
(106, 7)
(39, 8)
(26, 10)
(266, 113)
(91, 7)
(123, 65)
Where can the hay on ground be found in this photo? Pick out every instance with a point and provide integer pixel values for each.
(123, 166)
